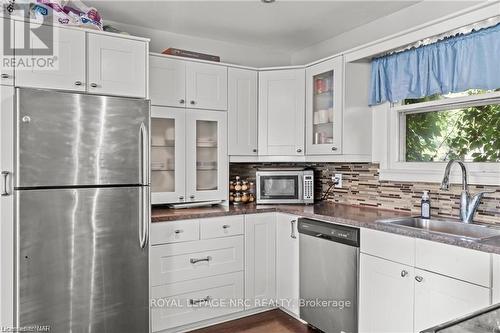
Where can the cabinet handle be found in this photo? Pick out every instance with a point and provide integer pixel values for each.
(299, 150)
(419, 278)
(404, 273)
(193, 102)
(78, 83)
(191, 197)
(178, 231)
(181, 198)
(5, 176)
(334, 148)
(181, 101)
(93, 85)
(201, 300)
(292, 225)
(5, 76)
(195, 260)
(226, 226)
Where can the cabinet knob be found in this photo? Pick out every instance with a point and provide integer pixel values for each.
(334, 148)
(192, 102)
(178, 231)
(93, 85)
(226, 226)
(181, 101)
(26, 119)
(181, 198)
(299, 150)
(254, 150)
(191, 197)
(5, 76)
(419, 278)
(78, 83)
(404, 273)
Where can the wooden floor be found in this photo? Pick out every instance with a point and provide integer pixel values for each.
(274, 321)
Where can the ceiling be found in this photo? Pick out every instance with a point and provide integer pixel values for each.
(283, 25)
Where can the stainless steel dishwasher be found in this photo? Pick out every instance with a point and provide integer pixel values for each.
(329, 257)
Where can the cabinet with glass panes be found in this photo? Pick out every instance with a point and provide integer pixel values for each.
(324, 107)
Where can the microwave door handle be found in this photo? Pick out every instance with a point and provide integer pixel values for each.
(301, 187)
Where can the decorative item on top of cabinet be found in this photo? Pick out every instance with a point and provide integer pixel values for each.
(241, 191)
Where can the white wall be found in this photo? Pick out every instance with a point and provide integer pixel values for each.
(229, 52)
(406, 18)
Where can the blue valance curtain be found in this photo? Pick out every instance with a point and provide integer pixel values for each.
(452, 65)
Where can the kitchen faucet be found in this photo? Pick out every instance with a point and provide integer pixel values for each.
(468, 204)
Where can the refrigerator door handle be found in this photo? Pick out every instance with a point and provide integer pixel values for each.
(144, 154)
(145, 211)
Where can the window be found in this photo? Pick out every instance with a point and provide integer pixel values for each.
(462, 126)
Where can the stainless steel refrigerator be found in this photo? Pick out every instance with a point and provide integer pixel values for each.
(82, 212)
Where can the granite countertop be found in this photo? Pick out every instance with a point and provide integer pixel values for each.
(363, 217)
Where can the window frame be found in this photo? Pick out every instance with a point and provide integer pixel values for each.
(393, 167)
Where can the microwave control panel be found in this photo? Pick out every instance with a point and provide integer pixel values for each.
(308, 187)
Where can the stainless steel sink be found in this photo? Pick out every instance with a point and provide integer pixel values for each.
(457, 229)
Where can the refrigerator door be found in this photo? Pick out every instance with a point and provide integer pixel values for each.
(81, 267)
(70, 139)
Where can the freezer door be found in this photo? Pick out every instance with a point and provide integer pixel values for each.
(70, 139)
(80, 264)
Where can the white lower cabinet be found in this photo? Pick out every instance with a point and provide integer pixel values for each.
(385, 296)
(287, 263)
(439, 299)
(190, 301)
(395, 297)
(260, 259)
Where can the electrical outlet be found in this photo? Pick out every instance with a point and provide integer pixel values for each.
(337, 179)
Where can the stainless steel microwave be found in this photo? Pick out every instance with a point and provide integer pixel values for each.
(285, 186)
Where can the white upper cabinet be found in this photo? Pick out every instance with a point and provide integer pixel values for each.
(116, 66)
(168, 155)
(281, 112)
(206, 155)
(206, 86)
(242, 111)
(324, 107)
(69, 66)
(167, 79)
(6, 75)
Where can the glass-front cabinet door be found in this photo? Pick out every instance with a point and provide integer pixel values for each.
(167, 155)
(206, 155)
(324, 108)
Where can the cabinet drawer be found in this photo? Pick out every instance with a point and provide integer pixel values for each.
(172, 304)
(221, 227)
(388, 246)
(174, 232)
(457, 262)
(192, 260)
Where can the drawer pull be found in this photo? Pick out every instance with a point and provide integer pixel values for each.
(200, 300)
(226, 226)
(178, 231)
(195, 260)
(404, 273)
(419, 278)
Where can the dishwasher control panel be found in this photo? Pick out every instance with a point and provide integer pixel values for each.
(329, 231)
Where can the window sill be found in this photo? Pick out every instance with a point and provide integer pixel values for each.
(434, 174)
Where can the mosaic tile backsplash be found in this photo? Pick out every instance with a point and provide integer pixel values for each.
(362, 187)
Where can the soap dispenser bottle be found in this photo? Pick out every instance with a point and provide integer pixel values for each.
(425, 206)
